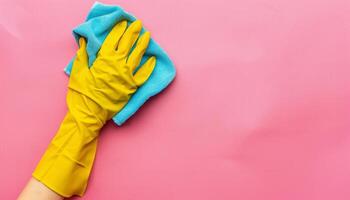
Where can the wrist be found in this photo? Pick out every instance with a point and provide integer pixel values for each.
(85, 110)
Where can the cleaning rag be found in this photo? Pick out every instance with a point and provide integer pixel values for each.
(99, 22)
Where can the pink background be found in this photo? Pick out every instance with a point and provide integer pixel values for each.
(260, 108)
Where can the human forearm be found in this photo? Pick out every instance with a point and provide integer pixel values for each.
(34, 190)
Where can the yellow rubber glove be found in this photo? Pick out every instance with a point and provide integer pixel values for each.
(94, 95)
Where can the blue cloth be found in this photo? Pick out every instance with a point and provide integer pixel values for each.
(99, 22)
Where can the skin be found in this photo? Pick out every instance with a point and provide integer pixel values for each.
(38, 191)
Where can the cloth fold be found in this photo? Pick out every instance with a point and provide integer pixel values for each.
(99, 22)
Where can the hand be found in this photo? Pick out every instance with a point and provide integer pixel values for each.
(94, 95)
(110, 81)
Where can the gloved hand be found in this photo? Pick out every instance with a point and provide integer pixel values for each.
(94, 96)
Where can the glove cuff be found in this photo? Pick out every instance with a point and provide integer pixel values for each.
(66, 165)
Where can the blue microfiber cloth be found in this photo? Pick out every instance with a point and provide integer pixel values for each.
(99, 22)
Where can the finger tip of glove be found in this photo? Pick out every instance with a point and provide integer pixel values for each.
(137, 24)
(123, 23)
(82, 41)
(152, 61)
(147, 35)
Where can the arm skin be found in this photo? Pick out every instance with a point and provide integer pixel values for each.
(34, 190)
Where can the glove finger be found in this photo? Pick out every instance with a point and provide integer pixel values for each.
(136, 55)
(145, 71)
(129, 38)
(81, 59)
(111, 42)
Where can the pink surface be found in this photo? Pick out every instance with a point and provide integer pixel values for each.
(260, 108)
